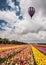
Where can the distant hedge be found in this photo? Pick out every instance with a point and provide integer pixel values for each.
(7, 41)
(41, 43)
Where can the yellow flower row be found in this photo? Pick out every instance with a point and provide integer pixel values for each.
(39, 57)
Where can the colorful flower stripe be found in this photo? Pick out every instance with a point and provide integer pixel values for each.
(39, 57)
(41, 48)
(22, 58)
(13, 52)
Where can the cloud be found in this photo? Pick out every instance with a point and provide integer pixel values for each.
(40, 5)
(11, 4)
(8, 15)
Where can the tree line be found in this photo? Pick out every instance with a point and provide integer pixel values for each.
(7, 41)
(41, 43)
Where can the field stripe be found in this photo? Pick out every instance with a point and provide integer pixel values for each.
(6, 48)
(39, 57)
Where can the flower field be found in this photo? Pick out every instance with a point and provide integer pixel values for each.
(22, 55)
(39, 57)
(41, 48)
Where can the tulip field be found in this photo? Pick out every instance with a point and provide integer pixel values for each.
(28, 54)
(39, 56)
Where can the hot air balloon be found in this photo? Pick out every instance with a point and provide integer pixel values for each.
(31, 11)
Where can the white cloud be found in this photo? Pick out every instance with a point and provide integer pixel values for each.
(8, 16)
(10, 3)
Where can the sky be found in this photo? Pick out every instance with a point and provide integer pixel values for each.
(16, 23)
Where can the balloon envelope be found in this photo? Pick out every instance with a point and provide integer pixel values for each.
(31, 11)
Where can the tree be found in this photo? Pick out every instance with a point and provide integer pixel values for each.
(12, 41)
(6, 41)
(1, 41)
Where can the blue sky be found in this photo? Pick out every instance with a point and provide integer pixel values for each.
(15, 22)
(4, 5)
